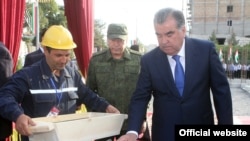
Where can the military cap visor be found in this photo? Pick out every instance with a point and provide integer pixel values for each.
(117, 36)
(117, 31)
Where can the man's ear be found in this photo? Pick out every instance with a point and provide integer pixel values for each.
(184, 30)
(45, 50)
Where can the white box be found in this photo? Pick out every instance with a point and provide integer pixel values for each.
(77, 127)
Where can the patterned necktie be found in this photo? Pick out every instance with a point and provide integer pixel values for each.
(179, 74)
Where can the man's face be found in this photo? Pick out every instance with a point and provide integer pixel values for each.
(57, 59)
(169, 37)
(116, 46)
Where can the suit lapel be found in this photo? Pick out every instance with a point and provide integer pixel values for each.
(190, 61)
(164, 68)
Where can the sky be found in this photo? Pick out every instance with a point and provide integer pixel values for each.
(136, 14)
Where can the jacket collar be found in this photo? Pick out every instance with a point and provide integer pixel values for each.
(126, 55)
(46, 72)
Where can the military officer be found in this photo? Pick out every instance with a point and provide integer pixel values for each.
(113, 72)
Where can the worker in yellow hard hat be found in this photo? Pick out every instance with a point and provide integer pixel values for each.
(48, 87)
(58, 37)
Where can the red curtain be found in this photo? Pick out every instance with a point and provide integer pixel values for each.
(79, 14)
(11, 25)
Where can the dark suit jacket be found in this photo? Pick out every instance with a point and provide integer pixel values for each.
(33, 57)
(6, 69)
(203, 71)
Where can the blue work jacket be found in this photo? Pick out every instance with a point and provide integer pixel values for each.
(34, 90)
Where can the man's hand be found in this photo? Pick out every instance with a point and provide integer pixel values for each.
(22, 125)
(112, 109)
(128, 137)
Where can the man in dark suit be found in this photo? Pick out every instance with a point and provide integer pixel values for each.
(203, 72)
(33, 57)
(37, 55)
(6, 70)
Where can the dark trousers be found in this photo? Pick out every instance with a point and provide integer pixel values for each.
(5, 128)
(24, 138)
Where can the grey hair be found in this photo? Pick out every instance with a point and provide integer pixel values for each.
(162, 15)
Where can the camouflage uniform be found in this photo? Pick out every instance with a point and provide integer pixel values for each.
(113, 79)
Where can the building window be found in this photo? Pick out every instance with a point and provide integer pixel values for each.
(229, 8)
(229, 22)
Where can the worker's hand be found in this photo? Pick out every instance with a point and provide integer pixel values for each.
(112, 109)
(22, 125)
(128, 137)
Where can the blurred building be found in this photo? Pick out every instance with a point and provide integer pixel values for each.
(223, 17)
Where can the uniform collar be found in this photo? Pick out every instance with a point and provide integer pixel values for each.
(126, 55)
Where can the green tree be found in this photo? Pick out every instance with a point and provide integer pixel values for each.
(99, 42)
(49, 14)
(213, 38)
(232, 40)
(53, 13)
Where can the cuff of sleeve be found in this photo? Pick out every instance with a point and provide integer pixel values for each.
(133, 132)
(16, 115)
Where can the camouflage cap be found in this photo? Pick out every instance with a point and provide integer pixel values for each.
(117, 31)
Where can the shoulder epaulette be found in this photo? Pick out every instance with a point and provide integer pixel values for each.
(135, 52)
(100, 52)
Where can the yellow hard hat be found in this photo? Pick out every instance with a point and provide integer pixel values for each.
(58, 37)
